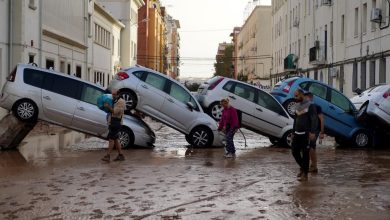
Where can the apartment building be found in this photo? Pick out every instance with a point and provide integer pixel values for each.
(342, 43)
(172, 47)
(234, 35)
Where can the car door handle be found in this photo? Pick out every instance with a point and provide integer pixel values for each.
(332, 107)
(81, 108)
(171, 100)
(47, 97)
(259, 109)
(232, 97)
(145, 86)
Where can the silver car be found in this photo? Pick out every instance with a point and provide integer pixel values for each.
(260, 111)
(33, 93)
(375, 102)
(169, 102)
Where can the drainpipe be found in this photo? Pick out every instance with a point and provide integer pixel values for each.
(10, 35)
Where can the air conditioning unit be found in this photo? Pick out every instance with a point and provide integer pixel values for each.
(296, 22)
(376, 15)
(327, 2)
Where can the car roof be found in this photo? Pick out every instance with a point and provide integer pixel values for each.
(30, 66)
(235, 80)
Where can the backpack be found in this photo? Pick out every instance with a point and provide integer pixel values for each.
(105, 98)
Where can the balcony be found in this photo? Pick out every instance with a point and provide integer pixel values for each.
(317, 55)
(290, 62)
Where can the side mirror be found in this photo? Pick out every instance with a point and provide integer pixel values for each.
(358, 91)
(190, 106)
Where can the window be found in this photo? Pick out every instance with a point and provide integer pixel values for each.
(372, 73)
(32, 4)
(62, 66)
(342, 28)
(156, 81)
(354, 77)
(179, 93)
(31, 58)
(363, 76)
(341, 80)
(139, 74)
(331, 34)
(49, 64)
(69, 69)
(373, 24)
(245, 92)
(382, 70)
(102, 36)
(33, 77)
(318, 90)
(266, 101)
(340, 101)
(62, 85)
(90, 94)
(78, 71)
(356, 32)
(303, 85)
(364, 18)
(228, 86)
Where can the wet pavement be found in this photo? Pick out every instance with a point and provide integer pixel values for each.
(52, 177)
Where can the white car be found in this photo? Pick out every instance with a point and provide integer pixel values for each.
(168, 101)
(33, 93)
(260, 111)
(374, 102)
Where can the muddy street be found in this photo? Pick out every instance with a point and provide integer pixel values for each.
(51, 177)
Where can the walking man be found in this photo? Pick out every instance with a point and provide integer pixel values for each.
(320, 133)
(305, 126)
(229, 124)
(114, 126)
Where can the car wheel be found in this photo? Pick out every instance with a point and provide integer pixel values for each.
(188, 139)
(362, 114)
(201, 137)
(26, 110)
(361, 139)
(274, 141)
(130, 99)
(215, 111)
(126, 138)
(287, 139)
(290, 106)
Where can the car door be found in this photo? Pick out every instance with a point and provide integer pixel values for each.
(176, 111)
(88, 117)
(242, 97)
(60, 98)
(271, 113)
(342, 116)
(320, 93)
(152, 95)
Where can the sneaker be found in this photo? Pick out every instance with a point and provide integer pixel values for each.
(106, 158)
(313, 170)
(120, 157)
(303, 177)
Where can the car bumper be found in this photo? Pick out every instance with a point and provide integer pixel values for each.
(218, 139)
(144, 140)
(7, 101)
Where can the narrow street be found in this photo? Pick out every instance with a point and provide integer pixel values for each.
(46, 179)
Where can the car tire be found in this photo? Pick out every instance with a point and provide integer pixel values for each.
(26, 110)
(215, 111)
(274, 141)
(130, 99)
(340, 141)
(289, 105)
(287, 139)
(362, 115)
(201, 137)
(126, 138)
(361, 139)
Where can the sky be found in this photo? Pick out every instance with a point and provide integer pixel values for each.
(204, 24)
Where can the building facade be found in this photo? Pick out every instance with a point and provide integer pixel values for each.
(172, 46)
(254, 58)
(342, 43)
(126, 11)
(234, 36)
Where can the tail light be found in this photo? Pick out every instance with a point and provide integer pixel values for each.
(215, 84)
(12, 75)
(287, 88)
(386, 94)
(122, 76)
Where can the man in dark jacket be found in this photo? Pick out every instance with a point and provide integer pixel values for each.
(305, 126)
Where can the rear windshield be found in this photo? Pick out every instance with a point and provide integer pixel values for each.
(212, 80)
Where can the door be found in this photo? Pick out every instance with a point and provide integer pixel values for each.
(342, 115)
(175, 109)
(272, 113)
(242, 97)
(152, 95)
(88, 117)
(60, 98)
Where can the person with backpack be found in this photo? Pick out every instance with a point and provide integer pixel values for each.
(116, 112)
(229, 124)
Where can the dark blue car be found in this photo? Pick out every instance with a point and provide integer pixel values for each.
(339, 112)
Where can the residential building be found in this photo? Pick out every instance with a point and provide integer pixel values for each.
(151, 35)
(126, 11)
(106, 37)
(342, 43)
(234, 36)
(254, 58)
(172, 46)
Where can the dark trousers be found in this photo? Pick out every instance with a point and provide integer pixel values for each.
(300, 151)
(229, 141)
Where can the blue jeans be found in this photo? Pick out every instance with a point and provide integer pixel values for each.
(229, 141)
